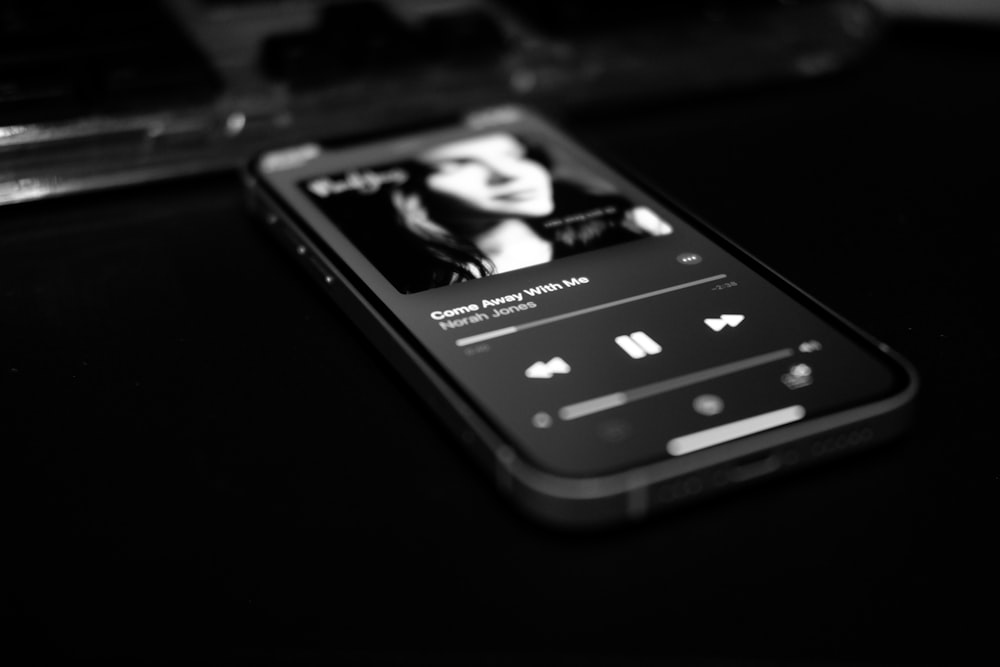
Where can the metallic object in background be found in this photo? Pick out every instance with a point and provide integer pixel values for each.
(970, 11)
(191, 86)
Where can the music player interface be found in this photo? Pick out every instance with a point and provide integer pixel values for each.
(593, 325)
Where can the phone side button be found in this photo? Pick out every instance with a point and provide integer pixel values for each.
(288, 237)
(321, 271)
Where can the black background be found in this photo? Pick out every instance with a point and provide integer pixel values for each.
(204, 460)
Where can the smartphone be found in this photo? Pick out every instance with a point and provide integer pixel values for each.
(601, 351)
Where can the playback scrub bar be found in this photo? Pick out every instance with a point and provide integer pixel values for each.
(620, 398)
(506, 331)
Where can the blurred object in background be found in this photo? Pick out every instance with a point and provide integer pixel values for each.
(975, 11)
(101, 93)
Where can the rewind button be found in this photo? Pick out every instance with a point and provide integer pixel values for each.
(544, 370)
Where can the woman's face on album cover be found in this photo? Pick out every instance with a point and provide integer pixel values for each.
(490, 174)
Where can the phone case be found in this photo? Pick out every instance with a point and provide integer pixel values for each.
(606, 499)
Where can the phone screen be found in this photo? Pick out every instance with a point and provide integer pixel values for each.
(592, 324)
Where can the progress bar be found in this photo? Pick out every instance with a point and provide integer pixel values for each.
(506, 331)
(692, 442)
(617, 399)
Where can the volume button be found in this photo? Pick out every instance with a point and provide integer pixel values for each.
(293, 240)
(323, 272)
(281, 228)
(290, 236)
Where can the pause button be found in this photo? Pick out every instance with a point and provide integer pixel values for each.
(638, 345)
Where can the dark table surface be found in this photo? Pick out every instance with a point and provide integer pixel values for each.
(205, 461)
